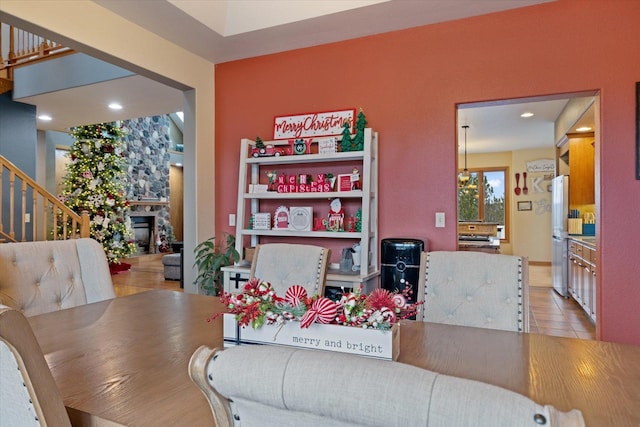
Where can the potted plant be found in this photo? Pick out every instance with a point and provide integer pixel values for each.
(209, 261)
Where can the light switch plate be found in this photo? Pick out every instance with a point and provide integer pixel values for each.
(439, 219)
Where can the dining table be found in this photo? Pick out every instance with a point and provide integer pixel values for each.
(125, 361)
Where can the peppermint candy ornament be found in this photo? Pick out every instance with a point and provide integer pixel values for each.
(326, 309)
(295, 294)
(323, 310)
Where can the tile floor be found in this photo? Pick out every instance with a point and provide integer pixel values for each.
(551, 314)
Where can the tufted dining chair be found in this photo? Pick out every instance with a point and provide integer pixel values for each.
(285, 264)
(475, 289)
(28, 393)
(40, 277)
(307, 388)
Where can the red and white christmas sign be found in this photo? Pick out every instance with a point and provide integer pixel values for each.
(325, 123)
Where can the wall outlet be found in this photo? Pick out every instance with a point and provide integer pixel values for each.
(232, 220)
(27, 217)
(439, 219)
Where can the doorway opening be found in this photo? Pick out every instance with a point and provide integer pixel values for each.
(531, 140)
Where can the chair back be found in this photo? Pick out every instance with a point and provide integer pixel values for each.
(40, 277)
(28, 394)
(285, 264)
(476, 289)
(263, 385)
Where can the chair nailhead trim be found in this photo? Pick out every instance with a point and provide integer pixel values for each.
(540, 419)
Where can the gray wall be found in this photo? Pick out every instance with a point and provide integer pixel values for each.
(18, 143)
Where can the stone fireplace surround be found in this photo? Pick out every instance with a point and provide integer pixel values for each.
(147, 149)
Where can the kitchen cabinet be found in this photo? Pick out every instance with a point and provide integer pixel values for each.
(478, 237)
(582, 275)
(581, 169)
(257, 195)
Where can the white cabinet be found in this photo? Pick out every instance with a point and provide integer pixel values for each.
(582, 275)
(253, 199)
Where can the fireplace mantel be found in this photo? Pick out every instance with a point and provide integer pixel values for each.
(147, 203)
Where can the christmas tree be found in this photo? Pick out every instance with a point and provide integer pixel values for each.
(345, 144)
(361, 124)
(95, 182)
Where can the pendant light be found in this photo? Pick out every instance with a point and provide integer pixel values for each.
(463, 178)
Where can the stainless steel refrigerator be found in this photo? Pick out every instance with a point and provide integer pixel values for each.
(559, 233)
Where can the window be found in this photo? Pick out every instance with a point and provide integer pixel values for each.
(493, 194)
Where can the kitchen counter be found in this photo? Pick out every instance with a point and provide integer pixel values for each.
(490, 246)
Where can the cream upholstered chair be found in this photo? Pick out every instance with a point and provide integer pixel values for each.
(475, 289)
(28, 393)
(263, 385)
(285, 264)
(39, 277)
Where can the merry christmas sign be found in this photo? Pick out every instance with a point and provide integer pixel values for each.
(326, 123)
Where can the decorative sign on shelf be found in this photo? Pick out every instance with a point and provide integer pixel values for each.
(325, 123)
(327, 145)
(261, 221)
(300, 218)
(281, 218)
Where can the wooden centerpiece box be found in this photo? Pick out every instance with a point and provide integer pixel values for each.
(381, 344)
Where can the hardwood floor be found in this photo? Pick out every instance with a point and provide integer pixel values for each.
(147, 272)
(549, 313)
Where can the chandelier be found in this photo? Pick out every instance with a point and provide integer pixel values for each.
(463, 178)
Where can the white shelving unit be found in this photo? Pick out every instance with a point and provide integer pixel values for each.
(253, 168)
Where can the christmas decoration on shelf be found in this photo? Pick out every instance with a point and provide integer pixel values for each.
(359, 220)
(357, 144)
(272, 177)
(345, 144)
(300, 145)
(262, 150)
(95, 182)
(335, 220)
(281, 218)
(355, 179)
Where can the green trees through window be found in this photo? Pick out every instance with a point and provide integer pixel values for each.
(483, 198)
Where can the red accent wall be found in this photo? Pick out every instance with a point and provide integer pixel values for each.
(409, 83)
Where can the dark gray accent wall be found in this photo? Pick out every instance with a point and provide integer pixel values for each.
(18, 137)
(18, 143)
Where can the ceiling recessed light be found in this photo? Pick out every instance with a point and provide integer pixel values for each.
(526, 115)
(44, 118)
(583, 129)
(115, 106)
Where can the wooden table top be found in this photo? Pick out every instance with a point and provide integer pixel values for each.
(125, 361)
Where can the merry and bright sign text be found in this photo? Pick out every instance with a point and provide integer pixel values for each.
(325, 123)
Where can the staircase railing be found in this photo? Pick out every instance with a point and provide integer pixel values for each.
(48, 217)
(24, 47)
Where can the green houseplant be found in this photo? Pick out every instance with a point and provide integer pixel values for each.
(209, 261)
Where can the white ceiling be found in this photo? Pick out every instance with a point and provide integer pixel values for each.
(225, 30)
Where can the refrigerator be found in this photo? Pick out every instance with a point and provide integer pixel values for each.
(559, 234)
